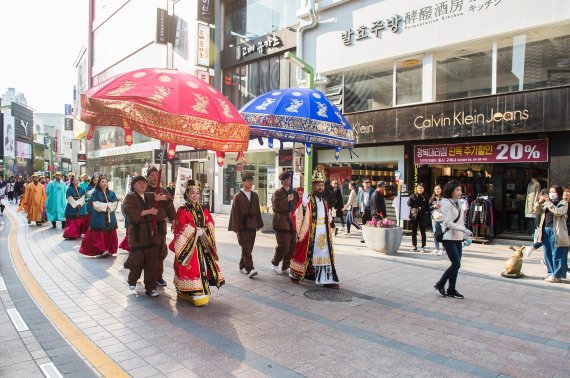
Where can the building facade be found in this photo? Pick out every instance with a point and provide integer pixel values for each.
(474, 90)
(254, 37)
(127, 35)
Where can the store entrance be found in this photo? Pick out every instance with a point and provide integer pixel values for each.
(505, 185)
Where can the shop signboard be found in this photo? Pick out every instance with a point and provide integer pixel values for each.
(527, 112)
(513, 151)
(206, 11)
(203, 50)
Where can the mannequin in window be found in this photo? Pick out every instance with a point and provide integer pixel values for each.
(532, 194)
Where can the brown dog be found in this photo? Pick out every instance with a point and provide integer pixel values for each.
(514, 263)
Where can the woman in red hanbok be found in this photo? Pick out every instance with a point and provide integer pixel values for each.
(195, 267)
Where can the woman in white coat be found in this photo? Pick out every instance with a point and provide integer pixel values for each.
(454, 233)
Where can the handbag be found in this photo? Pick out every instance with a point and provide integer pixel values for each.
(439, 232)
(437, 216)
(413, 213)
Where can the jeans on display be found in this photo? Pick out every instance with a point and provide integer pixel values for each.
(453, 248)
(556, 258)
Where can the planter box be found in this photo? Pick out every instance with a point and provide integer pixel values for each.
(384, 240)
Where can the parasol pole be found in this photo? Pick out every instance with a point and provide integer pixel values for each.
(292, 176)
(157, 189)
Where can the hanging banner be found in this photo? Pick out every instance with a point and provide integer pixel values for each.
(516, 151)
(184, 174)
(203, 58)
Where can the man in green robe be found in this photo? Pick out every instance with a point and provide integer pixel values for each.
(56, 201)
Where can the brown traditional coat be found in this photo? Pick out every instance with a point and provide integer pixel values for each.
(140, 228)
(282, 210)
(165, 209)
(245, 216)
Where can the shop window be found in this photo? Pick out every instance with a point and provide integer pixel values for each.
(369, 88)
(537, 59)
(464, 72)
(249, 19)
(409, 80)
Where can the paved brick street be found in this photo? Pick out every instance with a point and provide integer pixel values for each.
(394, 325)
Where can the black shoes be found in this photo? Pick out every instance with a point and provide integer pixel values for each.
(454, 294)
(161, 282)
(52, 224)
(439, 289)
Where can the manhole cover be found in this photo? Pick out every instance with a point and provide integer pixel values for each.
(328, 295)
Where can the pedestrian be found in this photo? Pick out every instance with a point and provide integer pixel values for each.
(245, 221)
(56, 201)
(194, 245)
(436, 217)
(377, 202)
(419, 207)
(2, 194)
(33, 201)
(171, 188)
(165, 204)
(18, 189)
(74, 211)
(553, 232)
(143, 243)
(10, 189)
(364, 202)
(124, 244)
(89, 189)
(336, 206)
(101, 238)
(313, 258)
(84, 181)
(283, 201)
(454, 233)
(350, 208)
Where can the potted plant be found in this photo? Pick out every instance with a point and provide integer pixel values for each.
(382, 235)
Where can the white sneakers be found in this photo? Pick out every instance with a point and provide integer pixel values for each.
(437, 252)
(242, 270)
(276, 269)
(252, 273)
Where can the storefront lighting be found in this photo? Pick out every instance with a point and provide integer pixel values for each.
(408, 63)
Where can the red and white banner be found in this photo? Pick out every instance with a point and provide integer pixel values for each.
(517, 151)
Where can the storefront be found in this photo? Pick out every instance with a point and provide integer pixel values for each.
(255, 38)
(494, 145)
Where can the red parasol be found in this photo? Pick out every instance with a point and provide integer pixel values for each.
(171, 106)
(168, 105)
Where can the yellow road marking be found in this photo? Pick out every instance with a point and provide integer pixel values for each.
(91, 352)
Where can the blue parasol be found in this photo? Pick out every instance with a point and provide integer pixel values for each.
(298, 115)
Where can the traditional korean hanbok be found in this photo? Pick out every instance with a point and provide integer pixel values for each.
(74, 213)
(101, 238)
(56, 201)
(195, 267)
(313, 257)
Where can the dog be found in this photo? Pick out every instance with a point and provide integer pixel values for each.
(514, 263)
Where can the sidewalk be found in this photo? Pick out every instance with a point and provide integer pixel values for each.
(391, 323)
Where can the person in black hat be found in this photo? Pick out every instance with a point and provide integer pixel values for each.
(283, 202)
(140, 210)
(245, 221)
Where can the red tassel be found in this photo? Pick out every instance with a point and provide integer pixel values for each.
(128, 136)
(220, 158)
(171, 151)
(90, 131)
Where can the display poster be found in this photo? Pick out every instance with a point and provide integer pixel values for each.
(513, 151)
(184, 174)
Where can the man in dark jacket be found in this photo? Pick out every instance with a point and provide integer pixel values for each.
(283, 202)
(165, 210)
(336, 204)
(377, 202)
(245, 221)
(139, 208)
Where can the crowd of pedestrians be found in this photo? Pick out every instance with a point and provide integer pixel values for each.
(304, 226)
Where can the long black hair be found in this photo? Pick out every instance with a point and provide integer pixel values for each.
(449, 188)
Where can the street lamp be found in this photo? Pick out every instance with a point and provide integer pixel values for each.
(310, 71)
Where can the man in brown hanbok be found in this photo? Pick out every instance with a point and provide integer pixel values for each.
(245, 221)
(283, 204)
(138, 207)
(165, 210)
